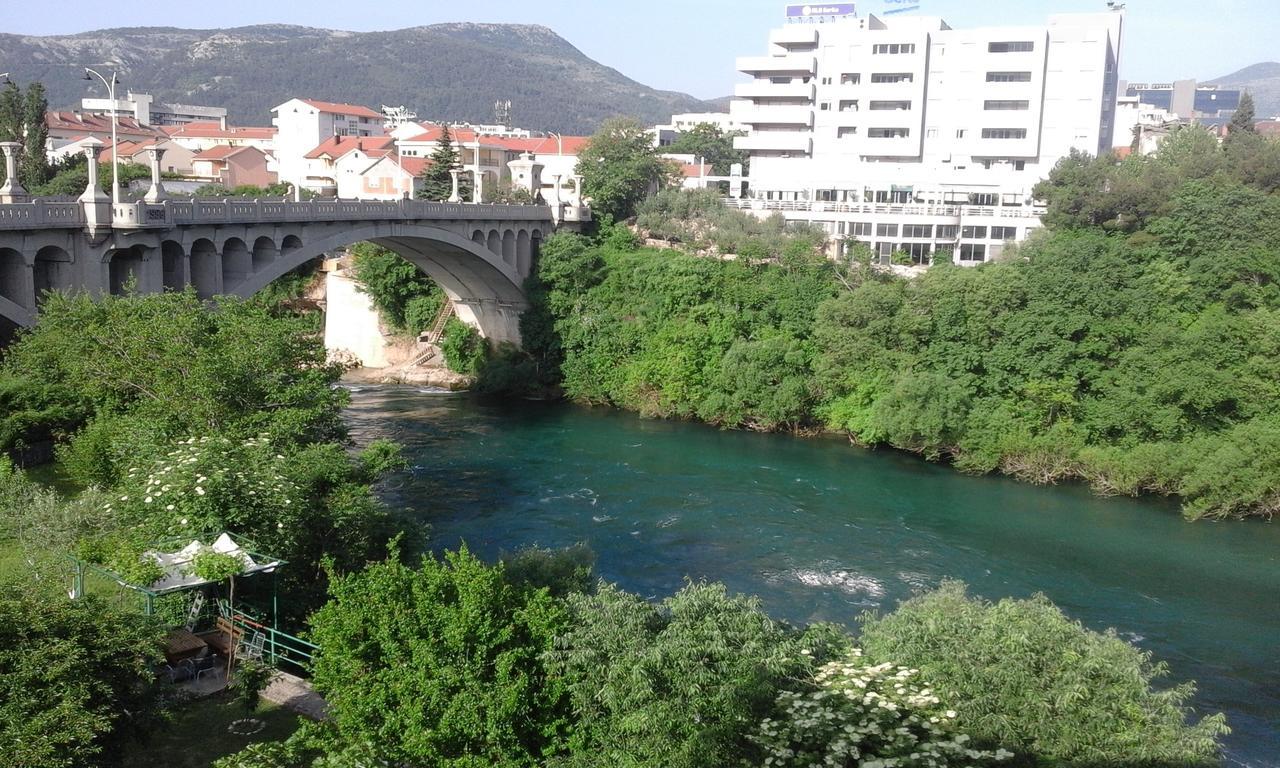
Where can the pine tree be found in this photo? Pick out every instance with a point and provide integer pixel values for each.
(1243, 119)
(34, 170)
(437, 182)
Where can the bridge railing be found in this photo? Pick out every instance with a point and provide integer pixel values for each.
(40, 214)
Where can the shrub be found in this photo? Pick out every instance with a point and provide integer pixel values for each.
(1023, 676)
(463, 347)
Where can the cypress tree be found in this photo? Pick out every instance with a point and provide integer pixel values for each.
(1243, 119)
(34, 170)
(437, 182)
(10, 120)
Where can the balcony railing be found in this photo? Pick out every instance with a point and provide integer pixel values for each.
(924, 209)
(40, 214)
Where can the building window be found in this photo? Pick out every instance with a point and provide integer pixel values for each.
(986, 199)
(960, 134)
(1004, 233)
(888, 133)
(1019, 165)
(846, 131)
(826, 81)
(892, 77)
(917, 230)
(824, 106)
(886, 230)
(931, 133)
(892, 106)
(919, 252)
(973, 252)
(1008, 77)
(1017, 46)
(893, 48)
(1006, 105)
(849, 105)
(780, 80)
(973, 233)
(860, 228)
(851, 78)
(947, 231)
(1004, 133)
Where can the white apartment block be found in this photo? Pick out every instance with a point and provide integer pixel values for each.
(913, 137)
(142, 107)
(303, 124)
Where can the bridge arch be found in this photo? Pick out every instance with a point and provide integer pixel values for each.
(206, 268)
(495, 242)
(509, 248)
(237, 263)
(485, 290)
(173, 265)
(264, 252)
(125, 266)
(15, 279)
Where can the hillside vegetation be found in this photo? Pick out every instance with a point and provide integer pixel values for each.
(443, 71)
(1134, 345)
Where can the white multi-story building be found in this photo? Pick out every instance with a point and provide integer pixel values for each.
(664, 135)
(303, 124)
(142, 107)
(914, 137)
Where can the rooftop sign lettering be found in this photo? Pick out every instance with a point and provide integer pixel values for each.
(828, 9)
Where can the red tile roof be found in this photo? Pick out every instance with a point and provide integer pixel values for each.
(222, 152)
(696, 171)
(128, 149)
(73, 121)
(545, 145)
(412, 165)
(215, 131)
(342, 109)
(337, 146)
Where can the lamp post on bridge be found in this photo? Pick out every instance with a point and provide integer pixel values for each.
(115, 145)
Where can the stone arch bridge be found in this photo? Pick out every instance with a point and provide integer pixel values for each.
(479, 254)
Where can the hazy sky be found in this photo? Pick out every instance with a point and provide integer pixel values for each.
(689, 45)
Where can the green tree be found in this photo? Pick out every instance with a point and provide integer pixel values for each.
(34, 170)
(1023, 676)
(75, 679)
(678, 685)
(406, 298)
(619, 167)
(12, 118)
(1242, 120)
(711, 144)
(441, 665)
(437, 181)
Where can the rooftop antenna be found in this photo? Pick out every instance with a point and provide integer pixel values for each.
(502, 113)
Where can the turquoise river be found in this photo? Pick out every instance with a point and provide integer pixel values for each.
(824, 531)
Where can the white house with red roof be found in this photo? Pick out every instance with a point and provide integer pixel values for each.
(74, 127)
(340, 158)
(386, 178)
(201, 136)
(176, 159)
(302, 125)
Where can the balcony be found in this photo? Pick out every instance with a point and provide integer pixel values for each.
(750, 114)
(792, 63)
(799, 142)
(795, 36)
(763, 89)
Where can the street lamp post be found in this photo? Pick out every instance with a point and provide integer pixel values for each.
(115, 145)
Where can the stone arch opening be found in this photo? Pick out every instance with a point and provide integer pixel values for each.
(51, 272)
(485, 291)
(14, 278)
(125, 270)
(173, 266)
(477, 237)
(495, 242)
(206, 269)
(289, 244)
(524, 257)
(264, 252)
(509, 247)
(237, 262)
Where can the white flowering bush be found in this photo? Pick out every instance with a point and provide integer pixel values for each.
(203, 486)
(871, 716)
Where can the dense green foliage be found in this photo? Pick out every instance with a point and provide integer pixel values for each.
(1133, 345)
(677, 685)
(74, 679)
(619, 168)
(1023, 676)
(699, 221)
(464, 349)
(407, 299)
(22, 120)
(714, 146)
(441, 665)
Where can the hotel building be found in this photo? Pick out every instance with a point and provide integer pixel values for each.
(916, 138)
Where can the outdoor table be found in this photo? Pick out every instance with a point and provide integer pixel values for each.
(181, 644)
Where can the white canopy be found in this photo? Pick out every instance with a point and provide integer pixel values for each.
(178, 565)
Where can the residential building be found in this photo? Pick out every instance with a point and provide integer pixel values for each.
(386, 178)
(1186, 98)
(142, 108)
(176, 158)
(909, 135)
(1141, 126)
(303, 124)
(337, 163)
(233, 166)
(73, 127)
(664, 135)
(201, 136)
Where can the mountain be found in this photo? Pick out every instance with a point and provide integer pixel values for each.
(1261, 80)
(443, 71)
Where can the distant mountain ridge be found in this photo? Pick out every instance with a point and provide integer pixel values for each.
(1262, 80)
(442, 71)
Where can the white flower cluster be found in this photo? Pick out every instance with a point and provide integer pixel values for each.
(856, 714)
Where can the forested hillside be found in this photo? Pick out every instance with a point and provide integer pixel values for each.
(1135, 344)
(443, 71)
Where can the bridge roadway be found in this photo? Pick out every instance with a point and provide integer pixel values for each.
(479, 254)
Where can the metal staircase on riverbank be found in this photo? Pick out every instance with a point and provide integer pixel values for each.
(437, 328)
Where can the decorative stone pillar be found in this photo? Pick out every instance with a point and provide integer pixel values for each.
(94, 200)
(477, 194)
(156, 193)
(555, 189)
(577, 190)
(526, 174)
(456, 196)
(11, 191)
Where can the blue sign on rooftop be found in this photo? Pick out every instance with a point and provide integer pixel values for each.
(820, 9)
